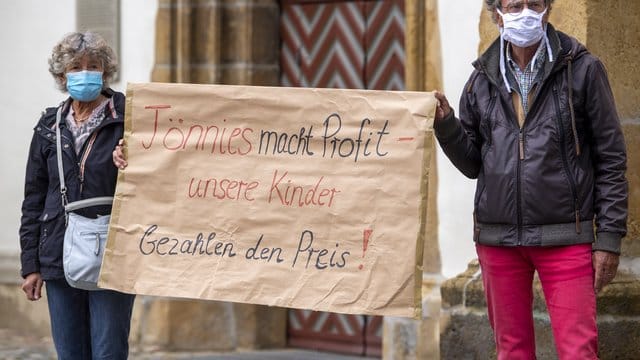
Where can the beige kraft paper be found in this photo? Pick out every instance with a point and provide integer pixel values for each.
(292, 197)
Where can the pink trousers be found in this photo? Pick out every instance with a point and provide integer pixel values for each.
(566, 274)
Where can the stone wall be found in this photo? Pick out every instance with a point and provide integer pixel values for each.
(610, 30)
(193, 325)
(217, 42)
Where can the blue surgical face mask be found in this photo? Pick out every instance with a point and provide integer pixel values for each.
(84, 85)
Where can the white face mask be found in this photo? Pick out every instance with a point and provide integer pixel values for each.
(524, 29)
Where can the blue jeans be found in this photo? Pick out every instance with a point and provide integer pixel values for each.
(89, 324)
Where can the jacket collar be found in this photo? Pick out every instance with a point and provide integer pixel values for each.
(489, 61)
(114, 109)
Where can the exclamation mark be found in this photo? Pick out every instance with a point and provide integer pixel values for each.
(366, 234)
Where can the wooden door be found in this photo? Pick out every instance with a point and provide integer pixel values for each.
(341, 44)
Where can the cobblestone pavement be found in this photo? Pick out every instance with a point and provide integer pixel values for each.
(14, 345)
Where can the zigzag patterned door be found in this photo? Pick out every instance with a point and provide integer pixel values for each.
(341, 44)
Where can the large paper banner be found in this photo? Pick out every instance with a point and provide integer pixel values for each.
(292, 197)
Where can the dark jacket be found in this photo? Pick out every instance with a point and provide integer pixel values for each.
(545, 183)
(43, 220)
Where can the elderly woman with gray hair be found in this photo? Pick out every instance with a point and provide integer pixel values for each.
(538, 128)
(84, 324)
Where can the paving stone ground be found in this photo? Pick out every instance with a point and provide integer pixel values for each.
(15, 345)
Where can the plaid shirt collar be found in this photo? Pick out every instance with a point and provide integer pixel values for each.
(527, 77)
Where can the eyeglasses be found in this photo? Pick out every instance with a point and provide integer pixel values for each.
(516, 7)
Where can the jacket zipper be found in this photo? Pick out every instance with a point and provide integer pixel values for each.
(518, 184)
(492, 103)
(521, 144)
(565, 161)
(43, 239)
(520, 158)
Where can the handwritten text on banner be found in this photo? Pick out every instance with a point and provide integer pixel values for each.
(294, 197)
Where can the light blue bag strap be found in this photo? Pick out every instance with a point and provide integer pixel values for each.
(63, 186)
(80, 204)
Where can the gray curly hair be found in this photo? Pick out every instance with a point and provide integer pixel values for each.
(497, 4)
(75, 46)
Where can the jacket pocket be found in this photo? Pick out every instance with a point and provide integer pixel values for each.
(486, 126)
(564, 153)
(52, 225)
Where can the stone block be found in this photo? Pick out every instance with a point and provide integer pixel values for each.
(18, 313)
(400, 338)
(206, 40)
(162, 73)
(163, 33)
(621, 297)
(236, 34)
(487, 29)
(265, 39)
(619, 339)
(404, 338)
(246, 323)
(205, 74)
(196, 325)
(466, 335)
(186, 325)
(245, 74)
(612, 35)
(271, 327)
(571, 17)
(428, 346)
(429, 326)
(465, 289)
(250, 44)
(409, 339)
(152, 328)
(423, 63)
(431, 261)
(260, 327)
(265, 76)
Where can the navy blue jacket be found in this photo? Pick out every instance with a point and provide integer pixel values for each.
(43, 221)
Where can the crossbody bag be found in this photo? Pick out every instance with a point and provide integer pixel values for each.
(84, 238)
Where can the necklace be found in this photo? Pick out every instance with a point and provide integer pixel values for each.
(81, 119)
(91, 108)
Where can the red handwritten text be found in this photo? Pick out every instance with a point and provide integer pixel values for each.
(222, 189)
(174, 135)
(283, 191)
